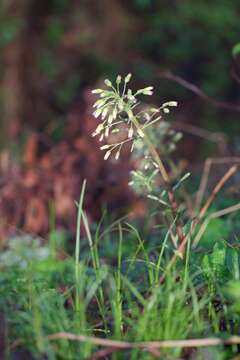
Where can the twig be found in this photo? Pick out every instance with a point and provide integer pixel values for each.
(148, 345)
(217, 137)
(197, 91)
(206, 171)
(203, 183)
(217, 188)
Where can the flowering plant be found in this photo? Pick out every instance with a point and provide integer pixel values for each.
(121, 112)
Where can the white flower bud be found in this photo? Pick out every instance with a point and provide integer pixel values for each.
(166, 110)
(114, 114)
(104, 94)
(110, 119)
(99, 128)
(130, 133)
(117, 155)
(172, 103)
(130, 95)
(118, 79)
(105, 147)
(97, 113)
(104, 113)
(146, 91)
(97, 91)
(106, 156)
(128, 78)
(149, 88)
(108, 82)
(99, 103)
(178, 136)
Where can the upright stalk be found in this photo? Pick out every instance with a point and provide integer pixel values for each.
(77, 248)
(163, 172)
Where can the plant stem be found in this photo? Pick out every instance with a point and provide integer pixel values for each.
(77, 248)
(163, 171)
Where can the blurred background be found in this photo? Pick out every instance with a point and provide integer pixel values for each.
(53, 52)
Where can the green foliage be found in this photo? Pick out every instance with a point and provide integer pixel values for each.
(9, 31)
(54, 32)
(176, 36)
(22, 250)
(217, 230)
(119, 295)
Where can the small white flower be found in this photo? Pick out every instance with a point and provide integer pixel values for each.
(130, 133)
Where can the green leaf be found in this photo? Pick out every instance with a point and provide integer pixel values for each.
(233, 289)
(232, 262)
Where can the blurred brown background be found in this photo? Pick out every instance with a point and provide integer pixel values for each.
(53, 52)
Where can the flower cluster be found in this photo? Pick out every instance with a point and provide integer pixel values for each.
(119, 110)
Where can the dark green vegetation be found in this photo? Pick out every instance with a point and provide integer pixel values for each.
(114, 292)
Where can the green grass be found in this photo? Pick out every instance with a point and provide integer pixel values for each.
(110, 289)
